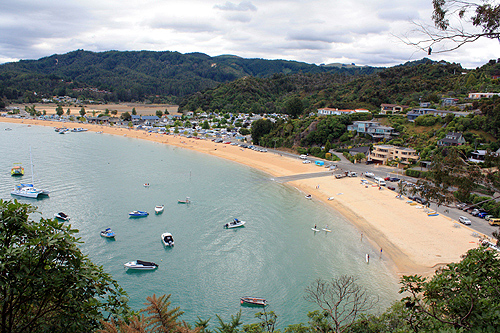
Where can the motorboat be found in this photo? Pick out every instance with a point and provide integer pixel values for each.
(138, 213)
(79, 129)
(142, 265)
(308, 196)
(108, 233)
(254, 301)
(167, 239)
(17, 170)
(61, 216)
(234, 224)
(146, 184)
(184, 201)
(159, 209)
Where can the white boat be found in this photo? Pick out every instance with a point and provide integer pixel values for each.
(167, 239)
(234, 224)
(308, 196)
(146, 184)
(29, 190)
(159, 209)
(142, 265)
(138, 213)
(61, 216)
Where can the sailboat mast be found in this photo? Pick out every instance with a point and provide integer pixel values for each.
(32, 174)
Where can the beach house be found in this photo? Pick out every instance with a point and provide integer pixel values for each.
(382, 154)
(452, 139)
(373, 129)
(391, 108)
(337, 112)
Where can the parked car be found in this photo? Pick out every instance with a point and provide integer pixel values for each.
(464, 220)
(494, 221)
(482, 215)
(475, 212)
(488, 217)
(303, 156)
(369, 175)
(394, 179)
(391, 188)
(306, 161)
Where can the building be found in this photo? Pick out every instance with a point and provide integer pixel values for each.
(363, 150)
(392, 108)
(372, 128)
(382, 154)
(415, 113)
(337, 112)
(477, 156)
(449, 101)
(452, 139)
(482, 95)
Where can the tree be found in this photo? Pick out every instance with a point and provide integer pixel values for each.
(59, 110)
(294, 107)
(450, 18)
(159, 113)
(82, 111)
(260, 128)
(134, 113)
(342, 301)
(462, 295)
(68, 112)
(47, 284)
(205, 125)
(126, 116)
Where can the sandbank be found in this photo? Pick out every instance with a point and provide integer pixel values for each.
(412, 242)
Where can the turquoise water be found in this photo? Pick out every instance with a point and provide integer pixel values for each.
(98, 178)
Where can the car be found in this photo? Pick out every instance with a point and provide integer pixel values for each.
(464, 220)
(391, 188)
(421, 200)
(488, 217)
(303, 156)
(369, 175)
(394, 179)
(306, 161)
(475, 212)
(387, 179)
(482, 215)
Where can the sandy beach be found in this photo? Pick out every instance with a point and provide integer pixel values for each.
(412, 242)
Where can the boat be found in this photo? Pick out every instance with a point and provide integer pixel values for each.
(255, 301)
(234, 224)
(108, 233)
(167, 239)
(146, 184)
(308, 196)
(314, 229)
(142, 265)
(159, 209)
(61, 216)
(17, 170)
(184, 201)
(79, 129)
(29, 190)
(138, 213)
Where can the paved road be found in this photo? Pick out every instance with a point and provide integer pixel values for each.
(285, 179)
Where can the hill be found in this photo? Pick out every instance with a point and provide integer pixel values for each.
(140, 75)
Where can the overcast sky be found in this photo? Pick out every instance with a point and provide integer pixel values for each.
(364, 32)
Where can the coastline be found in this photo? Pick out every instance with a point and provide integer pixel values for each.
(413, 242)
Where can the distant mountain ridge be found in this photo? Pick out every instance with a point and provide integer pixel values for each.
(137, 75)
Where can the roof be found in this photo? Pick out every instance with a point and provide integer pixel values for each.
(365, 150)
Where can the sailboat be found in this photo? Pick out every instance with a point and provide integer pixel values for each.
(29, 190)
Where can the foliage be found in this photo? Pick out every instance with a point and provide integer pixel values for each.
(260, 128)
(46, 283)
(462, 295)
(294, 107)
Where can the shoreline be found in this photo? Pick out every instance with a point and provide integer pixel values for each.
(412, 242)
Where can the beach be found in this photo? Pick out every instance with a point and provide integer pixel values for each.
(410, 240)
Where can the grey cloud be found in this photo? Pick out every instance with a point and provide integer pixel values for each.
(318, 36)
(241, 7)
(238, 17)
(184, 25)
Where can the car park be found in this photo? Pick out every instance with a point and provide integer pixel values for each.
(464, 220)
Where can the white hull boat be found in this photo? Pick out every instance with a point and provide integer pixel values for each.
(61, 216)
(235, 224)
(167, 239)
(141, 265)
(159, 209)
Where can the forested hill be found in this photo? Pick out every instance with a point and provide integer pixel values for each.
(140, 75)
(407, 84)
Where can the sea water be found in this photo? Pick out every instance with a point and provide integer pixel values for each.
(97, 179)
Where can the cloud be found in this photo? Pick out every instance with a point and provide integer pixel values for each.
(241, 7)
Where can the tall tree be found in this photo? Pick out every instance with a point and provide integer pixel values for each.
(260, 128)
(46, 283)
(294, 107)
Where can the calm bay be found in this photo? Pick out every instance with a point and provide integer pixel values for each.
(97, 179)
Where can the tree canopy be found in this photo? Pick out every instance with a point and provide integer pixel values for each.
(46, 283)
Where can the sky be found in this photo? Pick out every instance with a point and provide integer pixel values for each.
(363, 32)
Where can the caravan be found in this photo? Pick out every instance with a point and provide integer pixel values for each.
(380, 181)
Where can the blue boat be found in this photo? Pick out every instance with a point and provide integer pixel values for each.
(138, 213)
(108, 233)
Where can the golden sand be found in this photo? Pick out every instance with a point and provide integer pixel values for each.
(413, 241)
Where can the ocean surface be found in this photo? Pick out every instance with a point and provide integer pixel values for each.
(97, 179)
